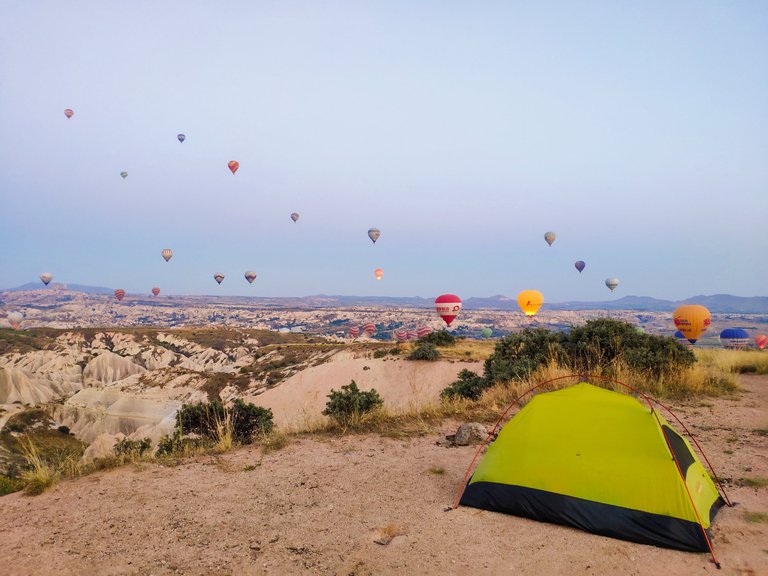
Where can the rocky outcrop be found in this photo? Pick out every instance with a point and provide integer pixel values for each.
(108, 368)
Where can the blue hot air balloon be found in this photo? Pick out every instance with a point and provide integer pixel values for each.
(181, 137)
(580, 265)
(734, 338)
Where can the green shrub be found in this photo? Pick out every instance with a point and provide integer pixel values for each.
(424, 351)
(350, 403)
(439, 338)
(516, 356)
(380, 353)
(469, 385)
(132, 448)
(204, 418)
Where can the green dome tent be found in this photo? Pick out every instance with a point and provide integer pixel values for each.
(600, 461)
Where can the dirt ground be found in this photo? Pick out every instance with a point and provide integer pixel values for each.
(319, 506)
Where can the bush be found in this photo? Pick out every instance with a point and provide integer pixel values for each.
(350, 403)
(469, 385)
(380, 353)
(63, 429)
(516, 356)
(439, 338)
(132, 448)
(205, 419)
(424, 351)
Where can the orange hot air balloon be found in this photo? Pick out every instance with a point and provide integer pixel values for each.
(761, 340)
(155, 291)
(119, 294)
(378, 273)
(233, 165)
(68, 113)
(448, 307)
(692, 320)
(530, 301)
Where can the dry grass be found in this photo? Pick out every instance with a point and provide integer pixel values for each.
(274, 441)
(756, 517)
(754, 482)
(224, 440)
(41, 475)
(734, 361)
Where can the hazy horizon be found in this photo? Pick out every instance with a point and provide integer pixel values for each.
(637, 132)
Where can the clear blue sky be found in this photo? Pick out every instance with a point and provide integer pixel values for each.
(637, 131)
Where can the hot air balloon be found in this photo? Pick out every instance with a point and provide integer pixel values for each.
(155, 291)
(549, 237)
(412, 334)
(530, 301)
(119, 294)
(447, 307)
(692, 320)
(374, 234)
(218, 277)
(734, 338)
(369, 328)
(250, 275)
(294, 216)
(14, 319)
(46, 277)
(167, 254)
(354, 331)
(400, 334)
(580, 265)
(422, 331)
(181, 137)
(612, 283)
(378, 273)
(487, 332)
(761, 340)
(233, 165)
(68, 113)
(124, 175)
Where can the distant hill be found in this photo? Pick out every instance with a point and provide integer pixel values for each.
(60, 286)
(717, 303)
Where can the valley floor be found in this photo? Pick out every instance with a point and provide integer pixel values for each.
(319, 505)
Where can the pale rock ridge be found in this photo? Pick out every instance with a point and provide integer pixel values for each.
(108, 368)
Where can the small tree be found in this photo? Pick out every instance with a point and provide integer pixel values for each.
(469, 385)
(424, 351)
(348, 404)
(206, 419)
(439, 338)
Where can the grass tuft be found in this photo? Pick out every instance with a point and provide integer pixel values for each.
(40, 476)
(754, 482)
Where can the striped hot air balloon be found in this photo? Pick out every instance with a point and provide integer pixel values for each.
(119, 294)
(422, 331)
(233, 165)
(167, 254)
(218, 277)
(354, 331)
(250, 275)
(400, 334)
(155, 291)
(412, 334)
(369, 328)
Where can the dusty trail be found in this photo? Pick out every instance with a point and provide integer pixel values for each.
(316, 507)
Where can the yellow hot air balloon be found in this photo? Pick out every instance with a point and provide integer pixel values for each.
(692, 320)
(378, 273)
(530, 301)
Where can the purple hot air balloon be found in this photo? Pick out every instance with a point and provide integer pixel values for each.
(580, 265)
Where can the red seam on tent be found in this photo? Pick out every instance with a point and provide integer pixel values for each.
(682, 477)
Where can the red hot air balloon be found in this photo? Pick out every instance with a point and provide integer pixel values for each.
(354, 332)
(233, 165)
(119, 294)
(155, 291)
(400, 334)
(69, 113)
(369, 328)
(422, 331)
(761, 340)
(447, 307)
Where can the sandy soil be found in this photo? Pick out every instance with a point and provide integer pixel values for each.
(317, 507)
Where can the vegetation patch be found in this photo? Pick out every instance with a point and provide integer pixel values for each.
(348, 405)
(754, 482)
